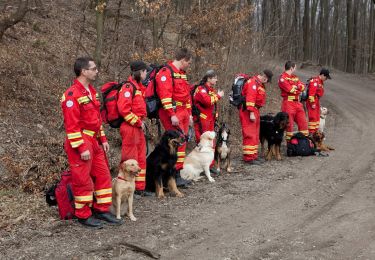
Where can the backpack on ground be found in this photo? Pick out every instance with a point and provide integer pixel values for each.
(301, 145)
(304, 96)
(235, 97)
(64, 196)
(109, 110)
(153, 103)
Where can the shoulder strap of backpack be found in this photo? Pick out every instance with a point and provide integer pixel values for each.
(134, 87)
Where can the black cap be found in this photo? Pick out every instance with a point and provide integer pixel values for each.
(325, 72)
(138, 65)
(268, 74)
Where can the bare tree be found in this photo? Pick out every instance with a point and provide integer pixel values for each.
(100, 16)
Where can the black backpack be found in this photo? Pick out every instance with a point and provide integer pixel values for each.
(194, 109)
(301, 145)
(235, 97)
(153, 103)
(304, 96)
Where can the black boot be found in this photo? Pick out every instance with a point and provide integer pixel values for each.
(144, 193)
(180, 182)
(109, 218)
(91, 222)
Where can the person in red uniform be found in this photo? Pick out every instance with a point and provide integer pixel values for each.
(205, 99)
(132, 107)
(291, 88)
(173, 90)
(85, 146)
(254, 93)
(316, 91)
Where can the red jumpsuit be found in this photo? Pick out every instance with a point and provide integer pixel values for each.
(132, 106)
(291, 87)
(316, 91)
(255, 97)
(84, 131)
(205, 99)
(174, 90)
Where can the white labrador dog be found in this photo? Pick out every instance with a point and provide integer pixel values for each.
(323, 115)
(200, 158)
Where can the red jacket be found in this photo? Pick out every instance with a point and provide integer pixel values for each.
(205, 98)
(81, 115)
(173, 89)
(254, 93)
(316, 89)
(132, 106)
(290, 86)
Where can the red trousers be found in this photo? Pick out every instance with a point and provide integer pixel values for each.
(250, 134)
(202, 125)
(314, 116)
(183, 116)
(296, 114)
(134, 147)
(89, 178)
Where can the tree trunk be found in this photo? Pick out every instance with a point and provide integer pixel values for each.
(313, 33)
(11, 20)
(296, 27)
(100, 16)
(306, 31)
(349, 35)
(372, 55)
(334, 32)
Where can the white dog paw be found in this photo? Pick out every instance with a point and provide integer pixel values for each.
(132, 218)
(211, 179)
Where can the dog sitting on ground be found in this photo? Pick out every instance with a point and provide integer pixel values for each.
(318, 138)
(272, 130)
(323, 115)
(161, 164)
(222, 149)
(123, 187)
(200, 158)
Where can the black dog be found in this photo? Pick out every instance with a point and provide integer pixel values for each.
(161, 164)
(222, 149)
(272, 129)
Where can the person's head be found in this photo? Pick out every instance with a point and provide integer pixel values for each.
(183, 58)
(266, 76)
(210, 77)
(138, 70)
(324, 74)
(86, 67)
(290, 66)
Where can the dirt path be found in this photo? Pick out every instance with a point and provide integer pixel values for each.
(300, 208)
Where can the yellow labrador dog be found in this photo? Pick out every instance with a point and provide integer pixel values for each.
(123, 189)
(200, 158)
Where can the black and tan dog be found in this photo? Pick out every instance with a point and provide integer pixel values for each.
(161, 163)
(318, 138)
(222, 149)
(272, 130)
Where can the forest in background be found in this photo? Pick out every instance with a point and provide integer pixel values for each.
(41, 39)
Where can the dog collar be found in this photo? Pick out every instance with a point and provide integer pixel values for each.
(121, 178)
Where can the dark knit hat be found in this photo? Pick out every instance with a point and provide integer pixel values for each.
(268, 74)
(138, 65)
(325, 72)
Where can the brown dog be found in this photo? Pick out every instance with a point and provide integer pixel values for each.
(123, 188)
(318, 138)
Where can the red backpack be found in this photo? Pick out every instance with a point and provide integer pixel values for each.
(109, 110)
(64, 196)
